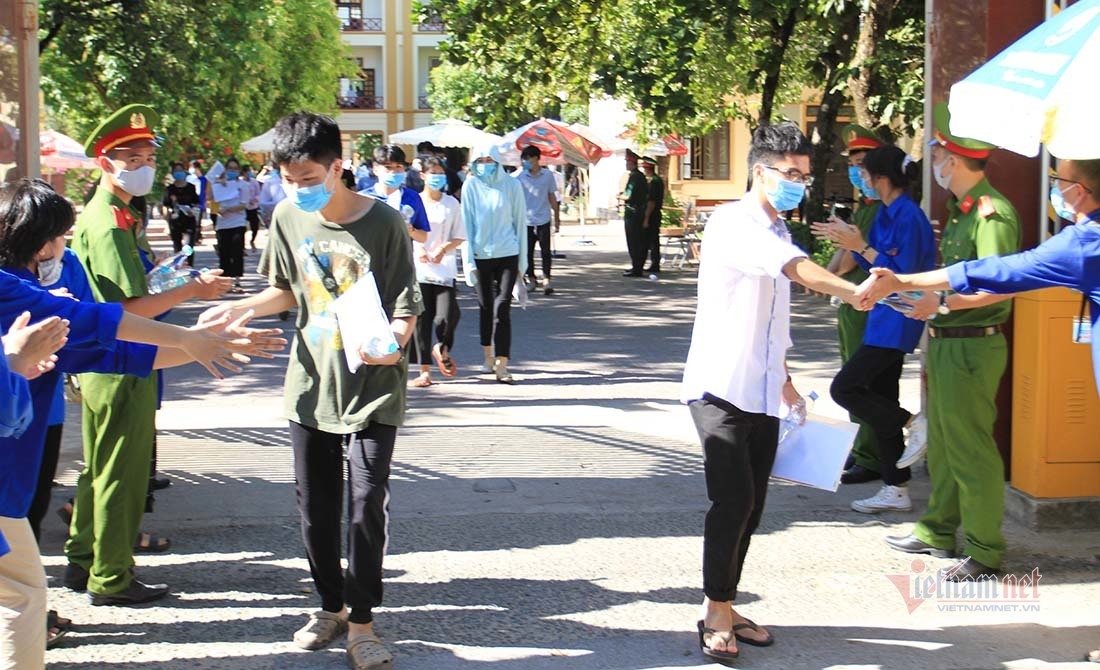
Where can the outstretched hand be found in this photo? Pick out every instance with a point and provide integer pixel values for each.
(30, 349)
(881, 283)
(263, 340)
(211, 285)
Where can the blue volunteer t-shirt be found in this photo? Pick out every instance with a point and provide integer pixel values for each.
(905, 242)
(409, 197)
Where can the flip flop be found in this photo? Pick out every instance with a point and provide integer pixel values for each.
(54, 622)
(446, 365)
(749, 624)
(65, 512)
(725, 636)
(154, 544)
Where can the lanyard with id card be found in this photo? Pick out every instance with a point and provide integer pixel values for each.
(1082, 327)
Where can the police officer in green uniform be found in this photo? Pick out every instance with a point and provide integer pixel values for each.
(118, 410)
(967, 355)
(863, 461)
(655, 192)
(634, 197)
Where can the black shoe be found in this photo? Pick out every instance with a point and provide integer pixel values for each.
(135, 594)
(849, 462)
(76, 578)
(857, 474)
(653, 271)
(970, 569)
(159, 483)
(632, 273)
(911, 544)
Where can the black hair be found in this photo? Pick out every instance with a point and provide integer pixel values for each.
(772, 143)
(305, 136)
(389, 153)
(196, 164)
(31, 215)
(531, 151)
(245, 167)
(425, 148)
(890, 162)
(975, 164)
(431, 162)
(1089, 172)
(178, 164)
(233, 159)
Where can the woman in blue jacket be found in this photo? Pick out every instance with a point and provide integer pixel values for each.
(495, 215)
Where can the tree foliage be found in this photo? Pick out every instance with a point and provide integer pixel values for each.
(218, 72)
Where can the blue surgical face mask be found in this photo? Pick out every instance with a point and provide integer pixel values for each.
(436, 182)
(394, 180)
(869, 191)
(855, 177)
(1061, 207)
(179, 175)
(232, 174)
(785, 195)
(527, 164)
(485, 169)
(309, 198)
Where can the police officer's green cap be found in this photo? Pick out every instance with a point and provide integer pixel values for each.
(963, 146)
(649, 160)
(858, 138)
(130, 124)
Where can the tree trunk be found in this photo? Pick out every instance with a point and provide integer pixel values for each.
(773, 63)
(873, 24)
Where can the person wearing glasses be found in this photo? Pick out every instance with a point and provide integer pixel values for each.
(902, 240)
(735, 379)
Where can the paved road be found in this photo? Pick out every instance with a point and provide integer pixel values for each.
(553, 524)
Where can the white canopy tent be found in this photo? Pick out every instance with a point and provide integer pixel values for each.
(261, 144)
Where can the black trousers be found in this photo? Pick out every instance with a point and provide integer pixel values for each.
(540, 234)
(253, 218)
(43, 490)
(738, 453)
(182, 230)
(636, 241)
(231, 251)
(867, 386)
(495, 279)
(653, 244)
(441, 315)
(319, 479)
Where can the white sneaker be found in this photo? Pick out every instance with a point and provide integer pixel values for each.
(916, 442)
(888, 499)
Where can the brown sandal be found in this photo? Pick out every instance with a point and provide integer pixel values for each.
(366, 652)
(151, 543)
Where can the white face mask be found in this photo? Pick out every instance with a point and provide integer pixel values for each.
(49, 271)
(137, 182)
(937, 174)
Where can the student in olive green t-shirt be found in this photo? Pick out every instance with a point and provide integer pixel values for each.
(323, 239)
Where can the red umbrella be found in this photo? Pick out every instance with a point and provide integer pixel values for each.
(557, 141)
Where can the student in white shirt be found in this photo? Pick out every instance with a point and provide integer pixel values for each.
(436, 270)
(231, 224)
(736, 379)
(250, 195)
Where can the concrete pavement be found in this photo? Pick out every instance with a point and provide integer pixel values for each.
(555, 523)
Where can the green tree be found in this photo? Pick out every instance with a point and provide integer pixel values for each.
(218, 72)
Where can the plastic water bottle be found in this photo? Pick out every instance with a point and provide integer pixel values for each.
(377, 347)
(895, 301)
(796, 416)
(170, 273)
(407, 213)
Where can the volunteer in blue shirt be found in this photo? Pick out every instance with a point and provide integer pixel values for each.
(1071, 258)
(495, 256)
(901, 239)
(391, 170)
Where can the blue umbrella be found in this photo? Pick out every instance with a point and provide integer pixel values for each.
(1041, 89)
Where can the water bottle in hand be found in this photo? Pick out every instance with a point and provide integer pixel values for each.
(895, 301)
(170, 273)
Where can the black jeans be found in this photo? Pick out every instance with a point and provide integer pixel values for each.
(636, 241)
(253, 218)
(495, 279)
(182, 231)
(319, 478)
(441, 315)
(231, 251)
(43, 490)
(653, 235)
(540, 234)
(738, 453)
(867, 386)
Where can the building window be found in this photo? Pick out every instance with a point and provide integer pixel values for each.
(350, 15)
(708, 156)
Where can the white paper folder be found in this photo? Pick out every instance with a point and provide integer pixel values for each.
(363, 322)
(815, 452)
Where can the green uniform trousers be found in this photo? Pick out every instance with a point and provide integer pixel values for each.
(967, 473)
(118, 430)
(850, 323)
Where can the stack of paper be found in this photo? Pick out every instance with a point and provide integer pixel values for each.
(815, 452)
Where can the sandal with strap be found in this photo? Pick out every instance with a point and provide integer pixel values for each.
(366, 652)
(57, 628)
(502, 374)
(723, 636)
(321, 629)
(151, 543)
(421, 382)
(446, 364)
(749, 624)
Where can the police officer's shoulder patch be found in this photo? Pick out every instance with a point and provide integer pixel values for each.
(986, 207)
(124, 219)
